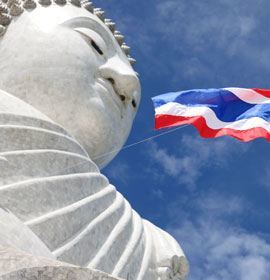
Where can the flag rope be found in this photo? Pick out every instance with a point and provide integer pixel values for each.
(126, 147)
(140, 142)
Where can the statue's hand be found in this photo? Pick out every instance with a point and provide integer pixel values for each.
(178, 269)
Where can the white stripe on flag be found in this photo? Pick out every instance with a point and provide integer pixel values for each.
(176, 109)
(249, 95)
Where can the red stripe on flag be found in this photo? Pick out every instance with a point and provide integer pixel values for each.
(264, 92)
(163, 121)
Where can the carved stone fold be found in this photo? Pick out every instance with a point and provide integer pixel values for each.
(131, 60)
(110, 24)
(45, 2)
(12, 2)
(119, 37)
(5, 19)
(125, 48)
(29, 4)
(15, 8)
(2, 30)
(99, 13)
(60, 2)
(76, 3)
(3, 9)
(88, 7)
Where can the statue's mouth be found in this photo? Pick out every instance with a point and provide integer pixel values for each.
(113, 95)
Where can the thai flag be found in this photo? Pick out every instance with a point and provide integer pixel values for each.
(238, 112)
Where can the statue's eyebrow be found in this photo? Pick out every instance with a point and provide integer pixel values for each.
(89, 23)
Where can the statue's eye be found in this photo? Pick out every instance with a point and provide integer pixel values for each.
(93, 39)
(96, 47)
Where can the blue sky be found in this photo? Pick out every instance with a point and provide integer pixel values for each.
(212, 195)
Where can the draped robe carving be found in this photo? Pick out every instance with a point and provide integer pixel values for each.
(48, 181)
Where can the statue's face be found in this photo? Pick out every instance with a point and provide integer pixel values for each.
(66, 63)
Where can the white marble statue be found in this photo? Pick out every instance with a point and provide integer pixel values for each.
(68, 97)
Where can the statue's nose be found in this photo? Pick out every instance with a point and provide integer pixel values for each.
(123, 79)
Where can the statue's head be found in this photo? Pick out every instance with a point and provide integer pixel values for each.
(67, 61)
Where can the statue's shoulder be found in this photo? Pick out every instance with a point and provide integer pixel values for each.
(14, 111)
(30, 129)
(33, 146)
(13, 106)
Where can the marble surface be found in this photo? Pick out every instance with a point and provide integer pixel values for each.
(16, 265)
(55, 68)
(68, 97)
(14, 234)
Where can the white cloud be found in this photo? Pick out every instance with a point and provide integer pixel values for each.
(171, 165)
(119, 172)
(197, 23)
(191, 40)
(217, 248)
(224, 253)
(264, 180)
(158, 194)
(216, 204)
(205, 34)
(192, 155)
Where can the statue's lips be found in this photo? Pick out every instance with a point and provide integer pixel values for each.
(114, 95)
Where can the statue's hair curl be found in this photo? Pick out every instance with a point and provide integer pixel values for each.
(14, 8)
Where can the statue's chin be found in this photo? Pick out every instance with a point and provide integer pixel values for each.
(103, 160)
(103, 136)
(102, 152)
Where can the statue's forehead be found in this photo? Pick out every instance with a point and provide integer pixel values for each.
(55, 15)
(53, 19)
(69, 16)
(47, 17)
(86, 25)
(48, 20)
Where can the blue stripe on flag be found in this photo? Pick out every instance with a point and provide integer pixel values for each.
(226, 105)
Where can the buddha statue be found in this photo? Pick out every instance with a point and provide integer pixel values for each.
(68, 98)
